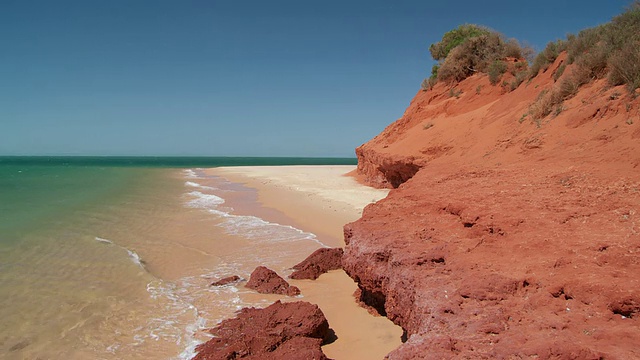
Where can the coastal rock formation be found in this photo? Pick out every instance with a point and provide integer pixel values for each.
(505, 237)
(226, 281)
(318, 263)
(267, 281)
(282, 331)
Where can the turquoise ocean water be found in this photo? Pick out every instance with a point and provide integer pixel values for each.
(109, 257)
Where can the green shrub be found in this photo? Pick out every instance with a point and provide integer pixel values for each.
(611, 50)
(425, 85)
(519, 66)
(583, 43)
(524, 116)
(434, 71)
(594, 62)
(519, 79)
(513, 49)
(559, 72)
(451, 39)
(542, 106)
(456, 67)
(476, 54)
(547, 56)
(547, 101)
(432, 82)
(496, 69)
(567, 88)
(624, 67)
(624, 37)
(559, 108)
(469, 49)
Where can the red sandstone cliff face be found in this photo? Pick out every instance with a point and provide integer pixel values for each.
(505, 238)
(485, 126)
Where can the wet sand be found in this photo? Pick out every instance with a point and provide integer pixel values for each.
(320, 199)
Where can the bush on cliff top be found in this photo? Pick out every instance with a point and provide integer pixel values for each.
(451, 39)
(469, 49)
(611, 50)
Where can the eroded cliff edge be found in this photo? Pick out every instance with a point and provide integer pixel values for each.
(506, 237)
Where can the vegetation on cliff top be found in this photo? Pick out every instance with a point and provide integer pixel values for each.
(469, 49)
(611, 50)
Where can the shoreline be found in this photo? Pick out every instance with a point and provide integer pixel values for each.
(321, 200)
(317, 198)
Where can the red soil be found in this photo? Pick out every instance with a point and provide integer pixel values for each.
(505, 238)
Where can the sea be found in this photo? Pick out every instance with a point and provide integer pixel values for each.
(112, 257)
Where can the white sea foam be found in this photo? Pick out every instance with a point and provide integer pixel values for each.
(190, 173)
(251, 227)
(132, 254)
(180, 297)
(179, 321)
(256, 228)
(105, 241)
(191, 342)
(199, 186)
(135, 257)
(204, 201)
(170, 325)
(112, 348)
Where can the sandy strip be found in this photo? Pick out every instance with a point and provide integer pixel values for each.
(320, 199)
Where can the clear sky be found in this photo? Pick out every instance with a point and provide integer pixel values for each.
(233, 77)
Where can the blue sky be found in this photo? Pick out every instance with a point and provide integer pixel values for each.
(233, 78)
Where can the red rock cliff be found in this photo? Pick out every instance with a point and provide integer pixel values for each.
(506, 237)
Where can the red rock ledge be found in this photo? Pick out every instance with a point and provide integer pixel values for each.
(282, 331)
(548, 270)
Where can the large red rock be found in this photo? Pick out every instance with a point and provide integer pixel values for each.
(282, 331)
(318, 263)
(505, 237)
(267, 281)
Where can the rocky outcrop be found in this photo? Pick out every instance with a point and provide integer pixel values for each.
(384, 170)
(318, 263)
(267, 281)
(226, 281)
(514, 238)
(532, 262)
(282, 331)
